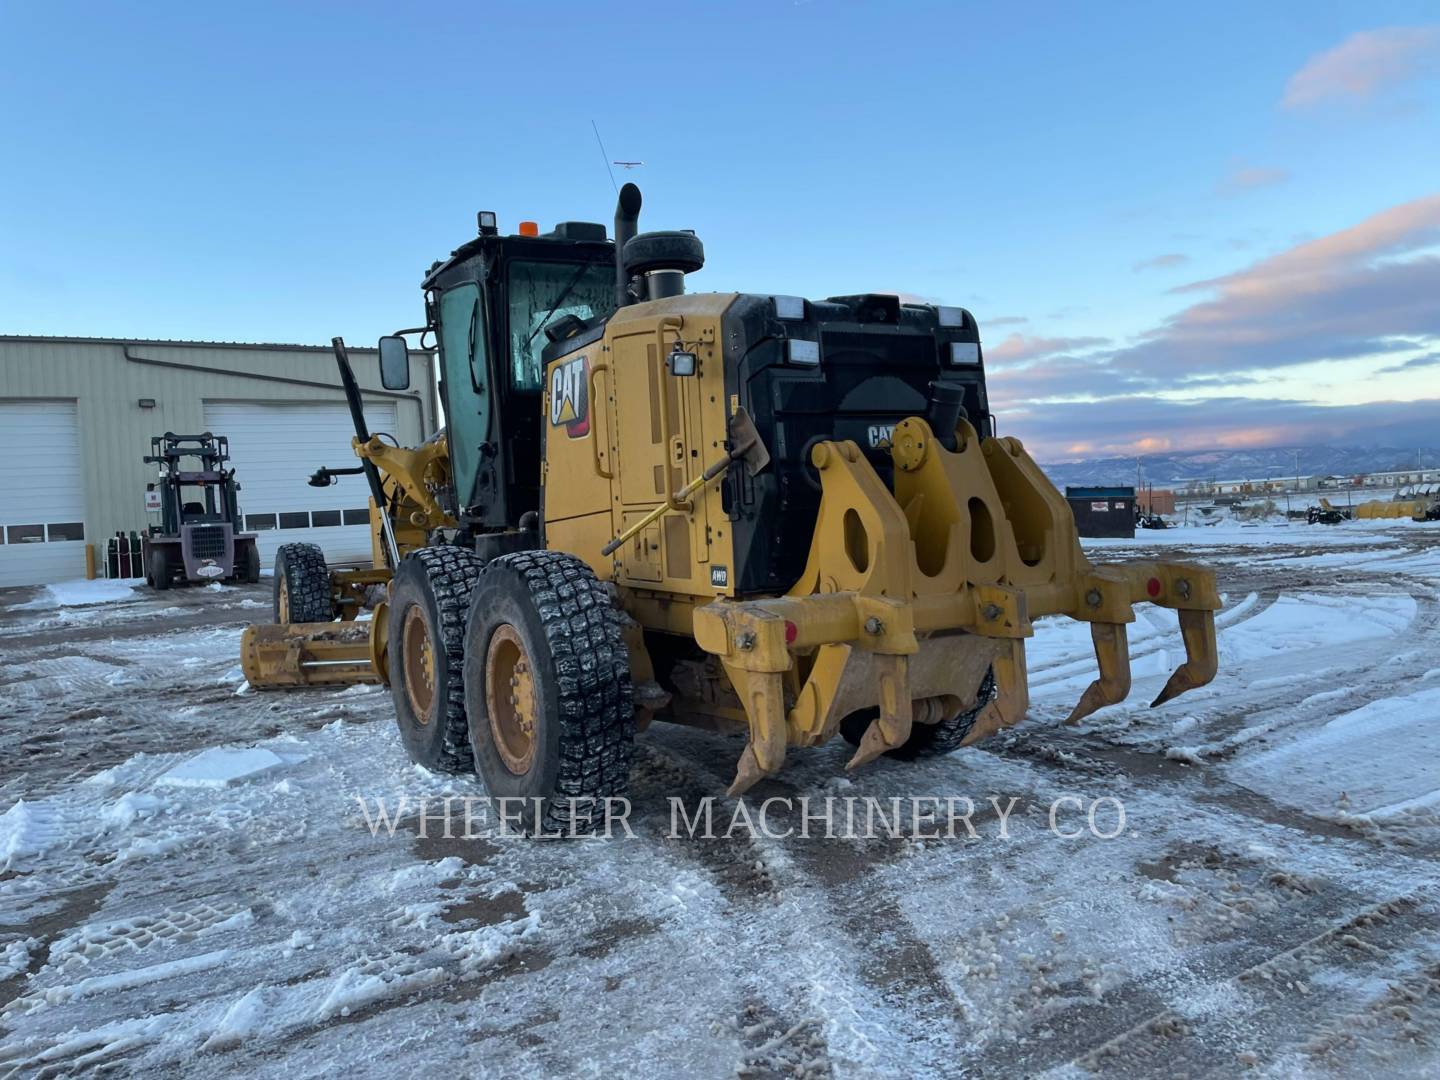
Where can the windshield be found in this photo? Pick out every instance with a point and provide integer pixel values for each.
(542, 292)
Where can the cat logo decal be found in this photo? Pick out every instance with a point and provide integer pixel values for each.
(570, 397)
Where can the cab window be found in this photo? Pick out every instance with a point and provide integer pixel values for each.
(539, 293)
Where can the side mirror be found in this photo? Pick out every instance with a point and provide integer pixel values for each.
(394, 363)
(680, 362)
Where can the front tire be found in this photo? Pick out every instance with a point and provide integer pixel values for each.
(302, 585)
(425, 650)
(548, 689)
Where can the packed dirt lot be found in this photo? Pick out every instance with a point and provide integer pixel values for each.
(171, 907)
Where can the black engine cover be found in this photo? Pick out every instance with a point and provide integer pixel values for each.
(877, 361)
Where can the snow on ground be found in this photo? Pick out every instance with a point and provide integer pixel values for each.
(190, 885)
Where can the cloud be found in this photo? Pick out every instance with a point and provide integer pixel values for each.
(1365, 290)
(1161, 262)
(1007, 320)
(1058, 377)
(1018, 347)
(1430, 360)
(1364, 64)
(1245, 178)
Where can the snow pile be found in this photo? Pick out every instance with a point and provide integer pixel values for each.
(222, 766)
(15, 957)
(23, 832)
(82, 593)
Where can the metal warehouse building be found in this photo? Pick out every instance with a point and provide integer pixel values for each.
(77, 416)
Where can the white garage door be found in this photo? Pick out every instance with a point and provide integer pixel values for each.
(274, 449)
(42, 493)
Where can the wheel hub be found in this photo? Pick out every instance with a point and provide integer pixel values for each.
(511, 700)
(419, 662)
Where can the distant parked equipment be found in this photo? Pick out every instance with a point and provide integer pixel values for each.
(1325, 514)
(1424, 509)
(196, 539)
(1102, 511)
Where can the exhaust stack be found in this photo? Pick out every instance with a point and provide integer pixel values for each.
(627, 221)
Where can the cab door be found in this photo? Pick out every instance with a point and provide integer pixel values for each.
(466, 389)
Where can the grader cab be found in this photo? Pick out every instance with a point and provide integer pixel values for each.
(787, 518)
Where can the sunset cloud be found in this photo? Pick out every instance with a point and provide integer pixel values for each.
(1368, 289)
(1245, 178)
(1140, 424)
(1162, 262)
(1364, 64)
(1018, 348)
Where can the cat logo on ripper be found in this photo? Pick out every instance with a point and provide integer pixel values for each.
(570, 397)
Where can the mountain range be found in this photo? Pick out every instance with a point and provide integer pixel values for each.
(1257, 464)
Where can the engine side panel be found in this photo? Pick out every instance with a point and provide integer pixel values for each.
(623, 435)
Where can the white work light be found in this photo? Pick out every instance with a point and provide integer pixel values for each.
(964, 352)
(804, 352)
(789, 307)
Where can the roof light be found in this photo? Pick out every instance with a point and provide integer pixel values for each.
(789, 307)
(486, 220)
(951, 316)
(964, 353)
(804, 352)
(529, 228)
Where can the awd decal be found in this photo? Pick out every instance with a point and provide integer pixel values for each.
(570, 397)
(719, 577)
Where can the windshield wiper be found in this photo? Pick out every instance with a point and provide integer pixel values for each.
(563, 297)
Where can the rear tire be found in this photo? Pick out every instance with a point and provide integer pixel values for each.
(926, 740)
(425, 655)
(159, 569)
(302, 585)
(564, 728)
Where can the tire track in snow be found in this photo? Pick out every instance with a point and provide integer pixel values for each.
(1267, 1008)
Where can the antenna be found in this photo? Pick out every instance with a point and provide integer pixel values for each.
(605, 157)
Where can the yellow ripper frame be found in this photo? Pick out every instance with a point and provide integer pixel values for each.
(909, 597)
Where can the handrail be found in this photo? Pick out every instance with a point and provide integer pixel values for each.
(594, 430)
(667, 322)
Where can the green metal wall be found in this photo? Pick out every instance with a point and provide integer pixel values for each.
(115, 430)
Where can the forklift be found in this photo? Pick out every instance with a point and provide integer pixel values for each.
(197, 538)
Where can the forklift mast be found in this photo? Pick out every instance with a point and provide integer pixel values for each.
(171, 453)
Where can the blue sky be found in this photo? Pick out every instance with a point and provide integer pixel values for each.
(1171, 221)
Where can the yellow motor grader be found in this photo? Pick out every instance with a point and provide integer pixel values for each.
(787, 518)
